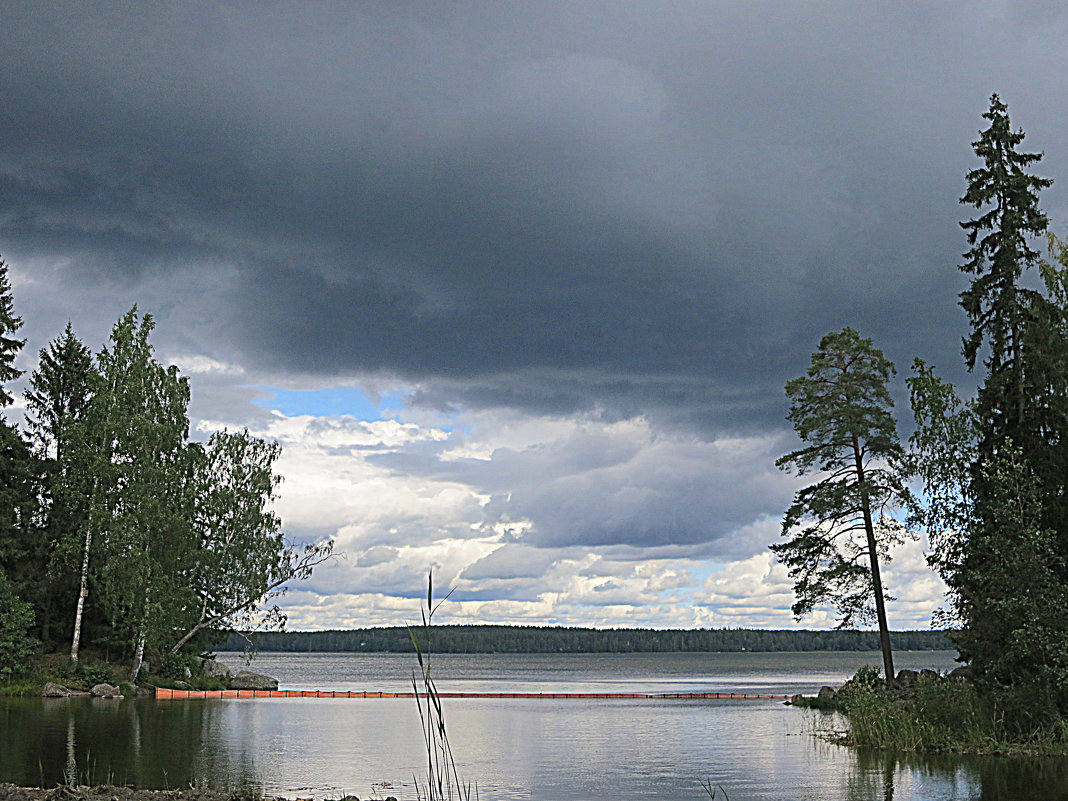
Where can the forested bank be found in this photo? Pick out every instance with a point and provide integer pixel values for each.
(118, 533)
(575, 640)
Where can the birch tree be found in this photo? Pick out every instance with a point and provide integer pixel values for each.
(241, 559)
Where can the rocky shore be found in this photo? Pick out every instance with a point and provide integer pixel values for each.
(108, 792)
(218, 674)
(902, 686)
(11, 792)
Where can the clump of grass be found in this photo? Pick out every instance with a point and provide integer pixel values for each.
(21, 689)
(442, 778)
(941, 715)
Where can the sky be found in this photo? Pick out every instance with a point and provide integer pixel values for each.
(517, 286)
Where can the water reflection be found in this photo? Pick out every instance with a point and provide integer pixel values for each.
(548, 750)
(48, 741)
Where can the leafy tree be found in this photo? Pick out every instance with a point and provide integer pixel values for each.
(943, 444)
(133, 444)
(241, 559)
(1011, 591)
(139, 417)
(841, 410)
(995, 469)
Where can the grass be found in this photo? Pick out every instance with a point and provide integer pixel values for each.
(943, 716)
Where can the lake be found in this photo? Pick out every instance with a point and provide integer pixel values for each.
(550, 749)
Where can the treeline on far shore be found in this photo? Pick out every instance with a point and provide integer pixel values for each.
(539, 639)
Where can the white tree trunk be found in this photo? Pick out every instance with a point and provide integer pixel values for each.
(83, 593)
(142, 635)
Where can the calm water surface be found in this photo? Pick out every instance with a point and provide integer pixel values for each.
(565, 750)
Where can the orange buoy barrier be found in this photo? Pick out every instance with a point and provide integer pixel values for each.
(164, 693)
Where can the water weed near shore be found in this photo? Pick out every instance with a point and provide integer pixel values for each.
(443, 781)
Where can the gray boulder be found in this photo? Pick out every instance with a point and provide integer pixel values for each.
(213, 670)
(825, 699)
(247, 680)
(907, 677)
(105, 691)
(963, 673)
(55, 691)
(929, 675)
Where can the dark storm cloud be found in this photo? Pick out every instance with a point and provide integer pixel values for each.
(622, 207)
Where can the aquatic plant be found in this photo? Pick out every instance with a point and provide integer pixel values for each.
(442, 778)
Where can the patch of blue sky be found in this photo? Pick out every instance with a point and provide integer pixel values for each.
(332, 402)
(704, 570)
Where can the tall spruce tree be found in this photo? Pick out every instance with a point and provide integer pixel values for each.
(1000, 239)
(837, 529)
(56, 405)
(20, 551)
(10, 345)
(1005, 555)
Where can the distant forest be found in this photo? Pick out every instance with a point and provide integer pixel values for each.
(538, 640)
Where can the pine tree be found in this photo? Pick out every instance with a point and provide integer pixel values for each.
(841, 409)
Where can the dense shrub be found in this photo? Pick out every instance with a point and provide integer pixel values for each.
(174, 666)
(16, 646)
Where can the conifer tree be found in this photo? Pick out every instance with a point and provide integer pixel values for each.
(20, 555)
(56, 404)
(837, 529)
(10, 345)
(1000, 239)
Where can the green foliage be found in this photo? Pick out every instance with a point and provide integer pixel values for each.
(241, 559)
(16, 646)
(174, 666)
(150, 543)
(839, 529)
(92, 675)
(868, 678)
(994, 469)
(942, 715)
(999, 238)
(9, 344)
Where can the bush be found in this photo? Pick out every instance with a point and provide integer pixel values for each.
(95, 674)
(174, 666)
(866, 680)
(16, 646)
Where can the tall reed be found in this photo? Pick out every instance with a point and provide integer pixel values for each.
(442, 778)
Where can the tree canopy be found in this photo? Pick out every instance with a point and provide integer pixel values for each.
(116, 529)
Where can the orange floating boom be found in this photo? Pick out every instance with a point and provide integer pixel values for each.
(163, 693)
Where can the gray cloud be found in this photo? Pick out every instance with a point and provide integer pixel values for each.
(557, 207)
(600, 211)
